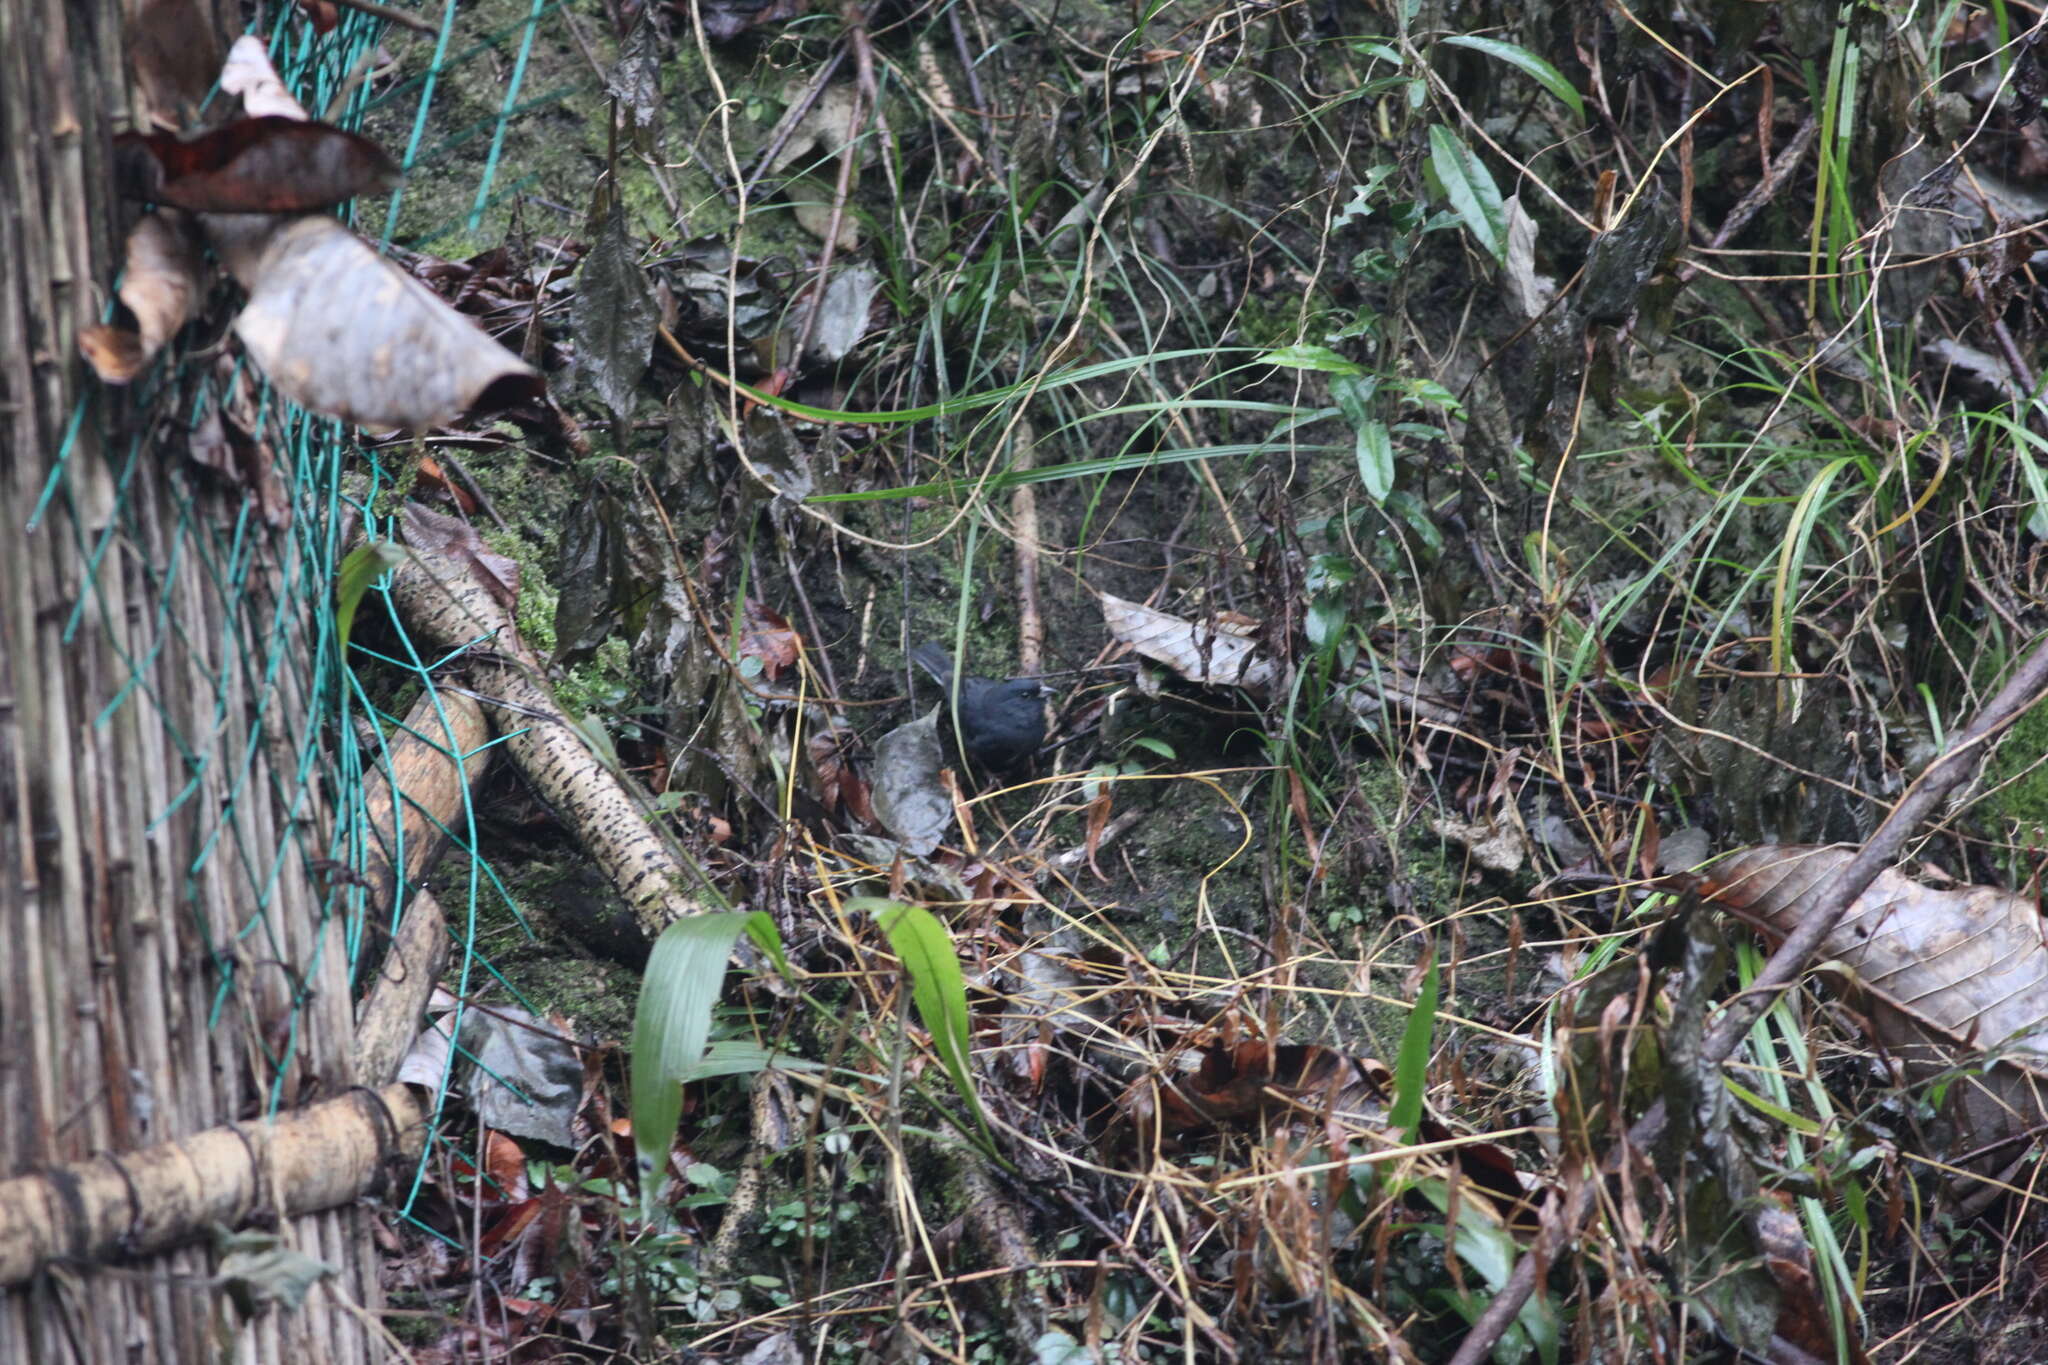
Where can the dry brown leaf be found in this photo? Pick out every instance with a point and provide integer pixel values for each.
(339, 329)
(248, 73)
(767, 636)
(172, 47)
(1945, 975)
(496, 574)
(160, 285)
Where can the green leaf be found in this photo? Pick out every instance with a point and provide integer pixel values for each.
(2037, 521)
(1411, 1067)
(1469, 186)
(936, 986)
(1375, 448)
(1488, 1248)
(1376, 460)
(1528, 63)
(672, 1026)
(1304, 356)
(360, 569)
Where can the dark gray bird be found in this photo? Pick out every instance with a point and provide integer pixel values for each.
(1000, 723)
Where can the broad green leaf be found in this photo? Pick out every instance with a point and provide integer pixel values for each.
(936, 986)
(672, 1026)
(360, 568)
(1308, 357)
(1469, 186)
(1376, 460)
(1411, 1067)
(1528, 63)
(1375, 449)
(1488, 1248)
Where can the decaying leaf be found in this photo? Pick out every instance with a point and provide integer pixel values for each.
(160, 285)
(1238, 1080)
(237, 456)
(1530, 291)
(1948, 978)
(843, 316)
(635, 82)
(429, 530)
(172, 46)
(1498, 843)
(909, 798)
(340, 330)
(528, 1079)
(840, 785)
(708, 285)
(249, 73)
(832, 121)
(257, 1270)
(725, 20)
(521, 1072)
(1201, 653)
(614, 315)
(767, 637)
(273, 164)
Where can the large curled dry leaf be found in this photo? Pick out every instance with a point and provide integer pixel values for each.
(909, 798)
(1200, 653)
(341, 330)
(160, 285)
(1948, 977)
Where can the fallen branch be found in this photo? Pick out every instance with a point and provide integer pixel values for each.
(424, 772)
(112, 1207)
(1829, 905)
(442, 598)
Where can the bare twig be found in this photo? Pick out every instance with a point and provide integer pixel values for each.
(391, 14)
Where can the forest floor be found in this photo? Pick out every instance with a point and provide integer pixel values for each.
(1611, 448)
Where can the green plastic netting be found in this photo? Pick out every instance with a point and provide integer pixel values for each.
(286, 623)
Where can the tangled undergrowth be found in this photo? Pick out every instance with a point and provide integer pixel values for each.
(1458, 466)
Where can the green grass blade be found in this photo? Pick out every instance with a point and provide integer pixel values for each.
(1411, 1067)
(1792, 559)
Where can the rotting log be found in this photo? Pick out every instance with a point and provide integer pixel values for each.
(443, 603)
(424, 771)
(130, 1204)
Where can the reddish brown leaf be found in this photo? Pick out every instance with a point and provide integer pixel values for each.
(272, 164)
(1234, 1080)
(766, 636)
(433, 478)
(840, 785)
(497, 575)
